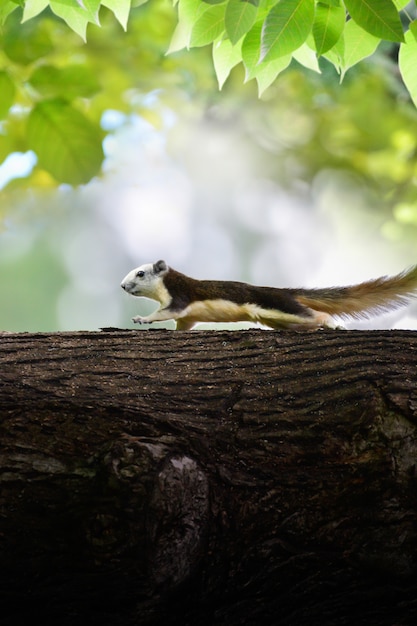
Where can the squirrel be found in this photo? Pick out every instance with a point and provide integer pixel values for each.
(189, 301)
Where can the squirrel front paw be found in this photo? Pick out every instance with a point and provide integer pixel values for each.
(140, 320)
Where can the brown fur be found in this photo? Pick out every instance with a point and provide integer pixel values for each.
(364, 300)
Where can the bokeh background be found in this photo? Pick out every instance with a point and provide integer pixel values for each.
(313, 185)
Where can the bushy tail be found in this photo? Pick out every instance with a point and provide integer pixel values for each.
(364, 300)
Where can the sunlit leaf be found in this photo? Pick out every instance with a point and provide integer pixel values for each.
(378, 17)
(7, 91)
(401, 4)
(76, 17)
(286, 27)
(355, 45)
(265, 72)
(329, 22)
(120, 8)
(208, 26)
(225, 57)
(180, 38)
(306, 57)
(66, 143)
(358, 45)
(336, 55)
(407, 61)
(33, 8)
(188, 13)
(239, 19)
(251, 50)
(268, 72)
(92, 7)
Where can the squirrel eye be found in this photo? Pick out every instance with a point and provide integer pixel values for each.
(140, 274)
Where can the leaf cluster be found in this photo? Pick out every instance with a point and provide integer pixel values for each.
(266, 35)
(49, 99)
(45, 99)
(76, 13)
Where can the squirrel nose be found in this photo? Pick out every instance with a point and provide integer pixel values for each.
(123, 286)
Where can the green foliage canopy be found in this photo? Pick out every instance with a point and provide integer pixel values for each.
(57, 113)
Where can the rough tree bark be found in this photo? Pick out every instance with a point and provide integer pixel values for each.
(208, 478)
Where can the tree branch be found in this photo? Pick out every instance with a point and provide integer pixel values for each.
(250, 477)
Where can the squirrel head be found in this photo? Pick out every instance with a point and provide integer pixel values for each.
(146, 280)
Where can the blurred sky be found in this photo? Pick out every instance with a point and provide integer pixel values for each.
(190, 191)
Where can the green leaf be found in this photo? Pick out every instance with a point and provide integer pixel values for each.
(269, 71)
(120, 8)
(265, 72)
(407, 61)
(336, 55)
(5, 9)
(328, 26)
(358, 44)
(33, 8)
(225, 57)
(401, 4)
(92, 7)
(70, 82)
(239, 18)
(413, 29)
(26, 43)
(286, 27)
(208, 26)
(307, 57)
(76, 17)
(180, 38)
(188, 13)
(251, 50)
(378, 17)
(355, 45)
(7, 91)
(67, 144)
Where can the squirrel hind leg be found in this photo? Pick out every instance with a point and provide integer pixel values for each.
(310, 321)
(316, 320)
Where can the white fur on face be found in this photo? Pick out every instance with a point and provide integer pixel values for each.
(135, 284)
(143, 282)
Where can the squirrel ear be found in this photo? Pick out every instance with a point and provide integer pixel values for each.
(160, 267)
